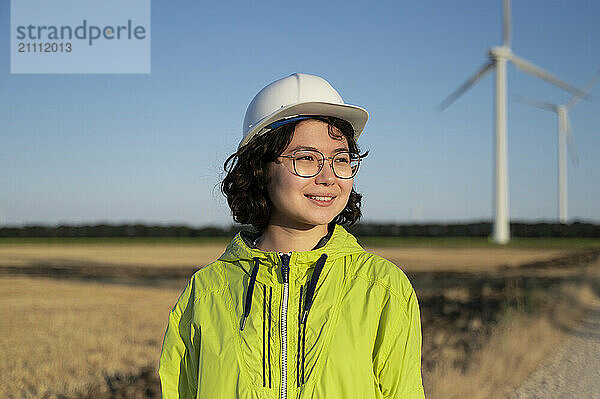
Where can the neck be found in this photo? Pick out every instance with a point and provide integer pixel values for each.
(279, 238)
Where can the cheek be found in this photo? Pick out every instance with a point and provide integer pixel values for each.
(281, 182)
(273, 183)
(346, 186)
(346, 189)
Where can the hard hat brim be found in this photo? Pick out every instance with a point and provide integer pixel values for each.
(355, 115)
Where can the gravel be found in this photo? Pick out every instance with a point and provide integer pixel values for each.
(573, 371)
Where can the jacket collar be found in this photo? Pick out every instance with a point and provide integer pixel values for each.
(340, 244)
(250, 237)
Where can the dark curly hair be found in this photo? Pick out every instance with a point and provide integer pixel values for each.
(245, 184)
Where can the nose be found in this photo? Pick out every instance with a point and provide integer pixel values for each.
(326, 175)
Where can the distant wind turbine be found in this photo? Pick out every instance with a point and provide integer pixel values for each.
(498, 56)
(565, 134)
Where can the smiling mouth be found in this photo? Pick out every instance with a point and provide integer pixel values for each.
(320, 198)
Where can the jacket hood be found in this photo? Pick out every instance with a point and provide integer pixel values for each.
(339, 245)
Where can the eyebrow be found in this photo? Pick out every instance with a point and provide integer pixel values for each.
(306, 147)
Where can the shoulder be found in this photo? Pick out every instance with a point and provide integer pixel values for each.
(204, 282)
(372, 267)
(210, 277)
(383, 273)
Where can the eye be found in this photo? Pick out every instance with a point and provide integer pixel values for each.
(305, 157)
(342, 158)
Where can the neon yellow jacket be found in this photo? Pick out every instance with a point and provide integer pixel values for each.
(334, 322)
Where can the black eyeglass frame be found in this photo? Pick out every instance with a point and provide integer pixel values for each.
(353, 156)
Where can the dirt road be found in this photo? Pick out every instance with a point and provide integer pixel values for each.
(573, 371)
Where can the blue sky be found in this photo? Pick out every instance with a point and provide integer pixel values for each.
(87, 148)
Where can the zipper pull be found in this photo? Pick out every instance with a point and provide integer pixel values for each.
(285, 266)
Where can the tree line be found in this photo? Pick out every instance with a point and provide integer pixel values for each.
(475, 229)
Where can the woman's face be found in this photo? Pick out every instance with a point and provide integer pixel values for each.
(293, 197)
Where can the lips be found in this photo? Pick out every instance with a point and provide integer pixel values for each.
(321, 199)
(326, 196)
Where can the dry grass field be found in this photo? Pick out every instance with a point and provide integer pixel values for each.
(68, 338)
(172, 255)
(515, 346)
(80, 338)
(464, 259)
(115, 254)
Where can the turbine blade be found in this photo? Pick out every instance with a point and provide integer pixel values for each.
(506, 24)
(534, 70)
(536, 103)
(586, 89)
(571, 143)
(470, 82)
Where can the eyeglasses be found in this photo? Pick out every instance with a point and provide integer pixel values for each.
(309, 163)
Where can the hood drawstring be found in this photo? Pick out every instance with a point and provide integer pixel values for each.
(310, 289)
(308, 301)
(248, 302)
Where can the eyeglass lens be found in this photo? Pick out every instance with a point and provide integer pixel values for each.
(309, 163)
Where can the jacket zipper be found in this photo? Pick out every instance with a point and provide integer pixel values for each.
(285, 274)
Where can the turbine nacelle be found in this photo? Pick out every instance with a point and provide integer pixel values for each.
(500, 52)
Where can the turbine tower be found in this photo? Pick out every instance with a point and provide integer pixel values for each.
(565, 136)
(498, 57)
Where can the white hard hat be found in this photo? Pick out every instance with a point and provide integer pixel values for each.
(297, 95)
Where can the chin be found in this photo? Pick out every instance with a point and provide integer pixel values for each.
(307, 217)
(321, 220)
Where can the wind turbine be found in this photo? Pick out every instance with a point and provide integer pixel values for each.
(565, 134)
(498, 57)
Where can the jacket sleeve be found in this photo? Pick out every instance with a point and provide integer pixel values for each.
(397, 354)
(178, 366)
